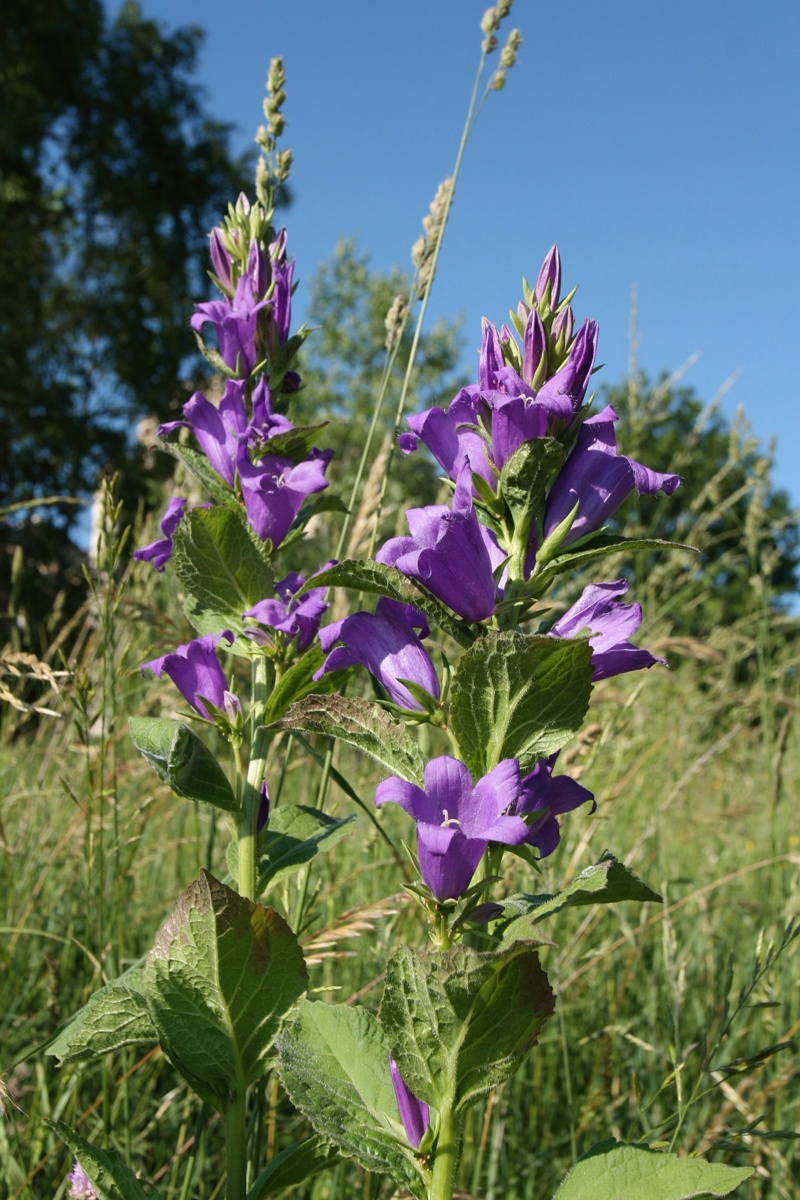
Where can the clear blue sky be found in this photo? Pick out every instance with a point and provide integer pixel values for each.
(656, 143)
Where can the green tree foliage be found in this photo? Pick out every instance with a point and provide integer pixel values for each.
(727, 507)
(111, 173)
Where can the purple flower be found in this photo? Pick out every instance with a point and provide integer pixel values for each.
(610, 624)
(547, 798)
(235, 323)
(564, 392)
(598, 479)
(295, 618)
(453, 437)
(274, 490)
(220, 258)
(414, 1113)
(160, 551)
(196, 672)
(80, 1186)
(449, 552)
(550, 272)
(456, 820)
(219, 430)
(385, 643)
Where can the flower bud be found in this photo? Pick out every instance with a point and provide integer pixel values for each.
(220, 258)
(534, 351)
(233, 707)
(550, 273)
(258, 270)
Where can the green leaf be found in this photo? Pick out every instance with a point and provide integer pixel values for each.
(294, 443)
(524, 478)
(202, 470)
(222, 974)
(298, 681)
(116, 1015)
(598, 547)
(459, 1023)
(293, 1166)
(181, 759)
(110, 1177)
(360, 723)
(614, 1170)
(606, 882)
(295, 835)
(334, 1063)
(517, 695)
(381, 580)
(222, 564)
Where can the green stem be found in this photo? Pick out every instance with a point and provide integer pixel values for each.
(236, 1147)
(443, 1178)
(251, 796)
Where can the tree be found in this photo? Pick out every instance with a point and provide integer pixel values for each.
(111, 174)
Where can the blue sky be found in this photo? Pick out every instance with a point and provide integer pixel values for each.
(656, 144)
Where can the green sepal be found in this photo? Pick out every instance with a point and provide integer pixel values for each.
(517, 695)
(382, 580)
(115, 1016)
(181, 759)
(334, 1063)
(360, 723)
(221, 976)
(614, 1170)
(460, 1023)
(605, 882)
(108, 1174)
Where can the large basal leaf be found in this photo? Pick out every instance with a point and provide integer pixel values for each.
(524, 478)
(517, 695)
(222, 974)
(116, 1015)
(293, 1166)
(360, 723)
(459, 1023)
(296, 835)
(221, 564)
(617, 1171)
(181, 759)
(382, 580)
(334, 1063)
(110, 1177)
(601, 545)
(606, 882)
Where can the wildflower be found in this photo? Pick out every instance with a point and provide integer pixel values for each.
(385, 643)
(80, 1186)
(160, 552)
(456, 820)
(235, 323)
(609, 624)
(414, 1113)
(450, 553)
(275, 489)
(598, 479)
(196, 672)
(546, 798)
(294, 618)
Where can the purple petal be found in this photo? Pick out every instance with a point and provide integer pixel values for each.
(414, 1113)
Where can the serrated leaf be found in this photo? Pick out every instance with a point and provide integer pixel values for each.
(381, 580)
(601, 545)
(614, 1170)
(293, 1166)
(108, 1174)
(524, 478)
(116, 1015)
(296, 834)
(363, 724)
(298, 681)
(294, 443)
(334, 1063)
(459, 1023)
(202, 470)
(606, 882)
(181, 759)
(221, 563)
(222, 974)
(205, 620)
(517, 695)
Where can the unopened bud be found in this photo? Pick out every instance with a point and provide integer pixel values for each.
(220, 257)
(263, 807)
(233, 707)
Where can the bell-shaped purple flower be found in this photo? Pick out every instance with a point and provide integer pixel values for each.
(598, 479)
(294, 618)
(385, 643)
(609, 624)
(564, 393)
(235, 323)
(274, 490)
(450, 552)
(196, 672)
(414, 1113)
(453, 436)
(457, 819)
(160, 552)
(218, 429)
(544, 798)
